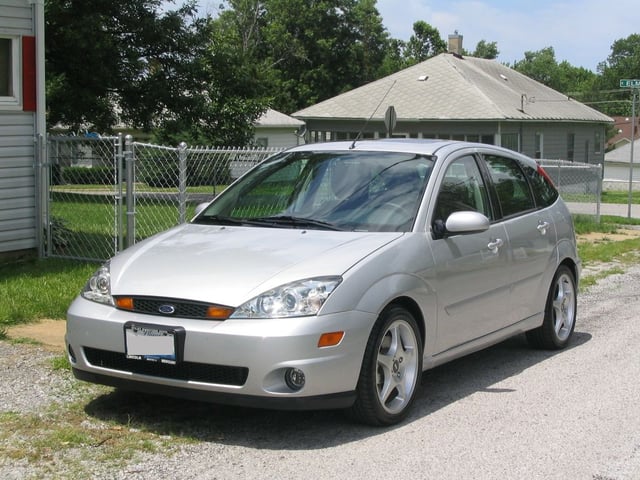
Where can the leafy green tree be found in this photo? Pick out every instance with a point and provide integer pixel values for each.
(308, 51)
(425, 43)
(623, 62)
(484, 49)
(131, 62)
(543, 67)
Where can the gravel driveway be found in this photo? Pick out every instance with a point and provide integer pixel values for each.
(505, 413)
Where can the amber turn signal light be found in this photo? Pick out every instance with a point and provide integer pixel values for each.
(330, 339)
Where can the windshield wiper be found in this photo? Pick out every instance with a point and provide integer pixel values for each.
(219, 220)
(300, 222)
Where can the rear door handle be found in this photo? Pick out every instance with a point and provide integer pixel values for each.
(542, 227)
(494, 245)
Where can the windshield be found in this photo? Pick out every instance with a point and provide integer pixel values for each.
(353, 191)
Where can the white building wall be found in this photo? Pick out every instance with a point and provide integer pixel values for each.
(17, 149)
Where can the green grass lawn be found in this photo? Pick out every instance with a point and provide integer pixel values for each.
(620, 196)
(40, 289)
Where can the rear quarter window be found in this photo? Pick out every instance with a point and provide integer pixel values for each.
(544, 192)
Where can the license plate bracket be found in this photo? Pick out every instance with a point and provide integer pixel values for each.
(154, 343)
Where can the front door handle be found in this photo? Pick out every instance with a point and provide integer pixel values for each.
(494, 245)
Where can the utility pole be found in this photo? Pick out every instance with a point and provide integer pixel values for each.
(633, 85)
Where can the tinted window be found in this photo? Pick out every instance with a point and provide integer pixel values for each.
(543, 190)
(511, 185)
(462, 189)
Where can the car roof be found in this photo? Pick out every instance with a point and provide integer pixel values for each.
(430, 147)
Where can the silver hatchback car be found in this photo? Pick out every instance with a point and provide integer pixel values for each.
(332, 275)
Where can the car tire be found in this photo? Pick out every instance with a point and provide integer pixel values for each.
(391, 369)
(559, 314)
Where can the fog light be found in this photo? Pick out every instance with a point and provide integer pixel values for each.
(294, 378)
(72, 354)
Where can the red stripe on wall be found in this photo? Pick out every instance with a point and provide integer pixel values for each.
(29, 74)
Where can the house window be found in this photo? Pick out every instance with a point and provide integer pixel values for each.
(586, 151)
(539, 148)
(571, 142)
(9, 70)
(262, 142)
(488, 139)
(510, 141)
(597, 144)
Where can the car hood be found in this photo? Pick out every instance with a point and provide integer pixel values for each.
(230, 265)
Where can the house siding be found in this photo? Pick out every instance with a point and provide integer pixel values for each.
(278, 137)
(15, 18)
(17, 150)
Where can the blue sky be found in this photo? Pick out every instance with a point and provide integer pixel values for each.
(580, 31)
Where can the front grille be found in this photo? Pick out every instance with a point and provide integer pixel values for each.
(181, 308)
(200, 372)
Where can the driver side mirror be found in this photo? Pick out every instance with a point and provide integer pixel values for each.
(461, 223)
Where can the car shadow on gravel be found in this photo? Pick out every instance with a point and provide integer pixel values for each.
(294, 430)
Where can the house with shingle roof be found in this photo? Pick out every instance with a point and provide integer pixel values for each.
(464, 98)
(275, 129)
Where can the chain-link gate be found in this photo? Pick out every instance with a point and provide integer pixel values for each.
(84, 197)
(107, 193)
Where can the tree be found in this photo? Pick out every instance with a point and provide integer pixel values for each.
(543, 67)
(126, 61)
(309, 51)
(425, 43)
(484, 49)
(623, 62)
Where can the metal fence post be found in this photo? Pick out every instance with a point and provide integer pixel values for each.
(119, 178)
(131, 200)
(182, 182)
(599, 192)
(43, 231)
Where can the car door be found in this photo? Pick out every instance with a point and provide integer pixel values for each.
(531, 231)
(471, 278)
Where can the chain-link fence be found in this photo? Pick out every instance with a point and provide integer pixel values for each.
(107, 193)
(580, 184)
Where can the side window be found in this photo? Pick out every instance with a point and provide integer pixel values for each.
(511, 185)
(462, 189)
(543, 190)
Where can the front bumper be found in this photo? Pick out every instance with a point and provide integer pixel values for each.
(240, 362)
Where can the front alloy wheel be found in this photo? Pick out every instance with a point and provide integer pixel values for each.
(391, 369)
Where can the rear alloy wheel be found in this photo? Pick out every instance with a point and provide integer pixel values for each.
(560, 313)
(391, 369)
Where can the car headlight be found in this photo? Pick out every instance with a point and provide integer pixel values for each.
(98, 288)
(297, 299)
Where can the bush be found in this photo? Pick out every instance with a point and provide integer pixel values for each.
(88, 176)
(166, 174)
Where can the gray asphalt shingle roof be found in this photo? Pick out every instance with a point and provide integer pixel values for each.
(456, 88)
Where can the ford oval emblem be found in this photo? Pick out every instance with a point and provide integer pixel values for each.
(167, 309)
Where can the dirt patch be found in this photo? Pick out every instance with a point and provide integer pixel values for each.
(49, 333)
(621, 234)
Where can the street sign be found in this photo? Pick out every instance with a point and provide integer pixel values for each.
(626, 83)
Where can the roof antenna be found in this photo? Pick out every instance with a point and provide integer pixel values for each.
(353, 145)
